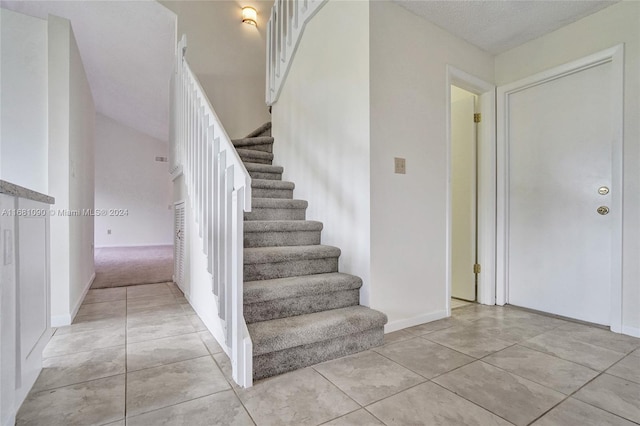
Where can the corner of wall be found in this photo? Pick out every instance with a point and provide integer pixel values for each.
(71, 171)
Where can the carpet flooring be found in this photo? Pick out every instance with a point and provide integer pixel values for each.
(124, 266)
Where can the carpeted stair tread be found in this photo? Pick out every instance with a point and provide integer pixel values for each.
(270, 188)
(277, 233)
(290, 332)
(259, 255)
(273, 363)
(265, 128)
(272, 184)
(264, 168)
(308, 285)
(282, 226)
(263, 171)
(278, 203)
(257, 140)
(255, 156)
(276, 209)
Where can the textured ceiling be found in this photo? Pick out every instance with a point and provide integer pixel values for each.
(127, 48)
(497, 26)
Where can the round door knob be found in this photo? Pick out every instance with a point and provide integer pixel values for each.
(603, 210)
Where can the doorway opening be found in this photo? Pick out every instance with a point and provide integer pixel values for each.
(471, 190)
(464, 199)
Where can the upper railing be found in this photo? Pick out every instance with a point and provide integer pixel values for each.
(284, 31)
(219, 189)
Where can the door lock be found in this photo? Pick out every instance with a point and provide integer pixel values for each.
(603, 210)
(603, 190)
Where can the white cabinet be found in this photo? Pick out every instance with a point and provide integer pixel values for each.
(24, 298)
(7, 311)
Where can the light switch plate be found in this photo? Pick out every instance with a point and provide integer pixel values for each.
(400, 165)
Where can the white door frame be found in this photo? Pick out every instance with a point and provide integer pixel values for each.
(615, 56)
(486, 184)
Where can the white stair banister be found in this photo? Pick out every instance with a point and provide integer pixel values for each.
(219, 191)
(284, 31)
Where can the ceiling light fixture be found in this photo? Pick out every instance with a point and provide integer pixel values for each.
(249, 16)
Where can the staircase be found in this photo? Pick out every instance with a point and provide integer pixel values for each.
(298, 308)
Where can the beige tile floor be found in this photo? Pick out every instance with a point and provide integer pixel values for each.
(140, 356)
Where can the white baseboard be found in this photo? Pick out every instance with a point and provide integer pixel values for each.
(417, 320)
(136, 245)
(67, 319)
(631, 331)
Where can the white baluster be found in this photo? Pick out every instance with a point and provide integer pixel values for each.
(268, 64)
(282, 36)
(209, 198)
(215, 176)
(222, 166)
(228, 250)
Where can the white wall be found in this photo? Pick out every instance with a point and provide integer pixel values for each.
(228, 57)
(128, 177)
(81, 180)
(23, 139)
(408, 119)
(71, 164)
(321, 130)
(616, 24)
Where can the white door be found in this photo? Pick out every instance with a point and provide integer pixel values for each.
(463, 195)
(559, 137)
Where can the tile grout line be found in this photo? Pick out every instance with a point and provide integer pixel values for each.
(312, 367)
(342, 415)
(166, 364)
(566, 396)
(564, 359)
(508, 372)
(233, 389)
(584, 402)
(437, 375)
(472, 402)
(126, 351)
(178, 403)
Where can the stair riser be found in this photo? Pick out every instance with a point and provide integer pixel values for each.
(265, 133)
(275, 214)
(269, 176)
(265, 147)
(273, 363)
(281, 239)
(292, 306)
(272, 193)
(248, 159)
(294, 268)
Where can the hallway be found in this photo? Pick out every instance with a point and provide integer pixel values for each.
(142, 354)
